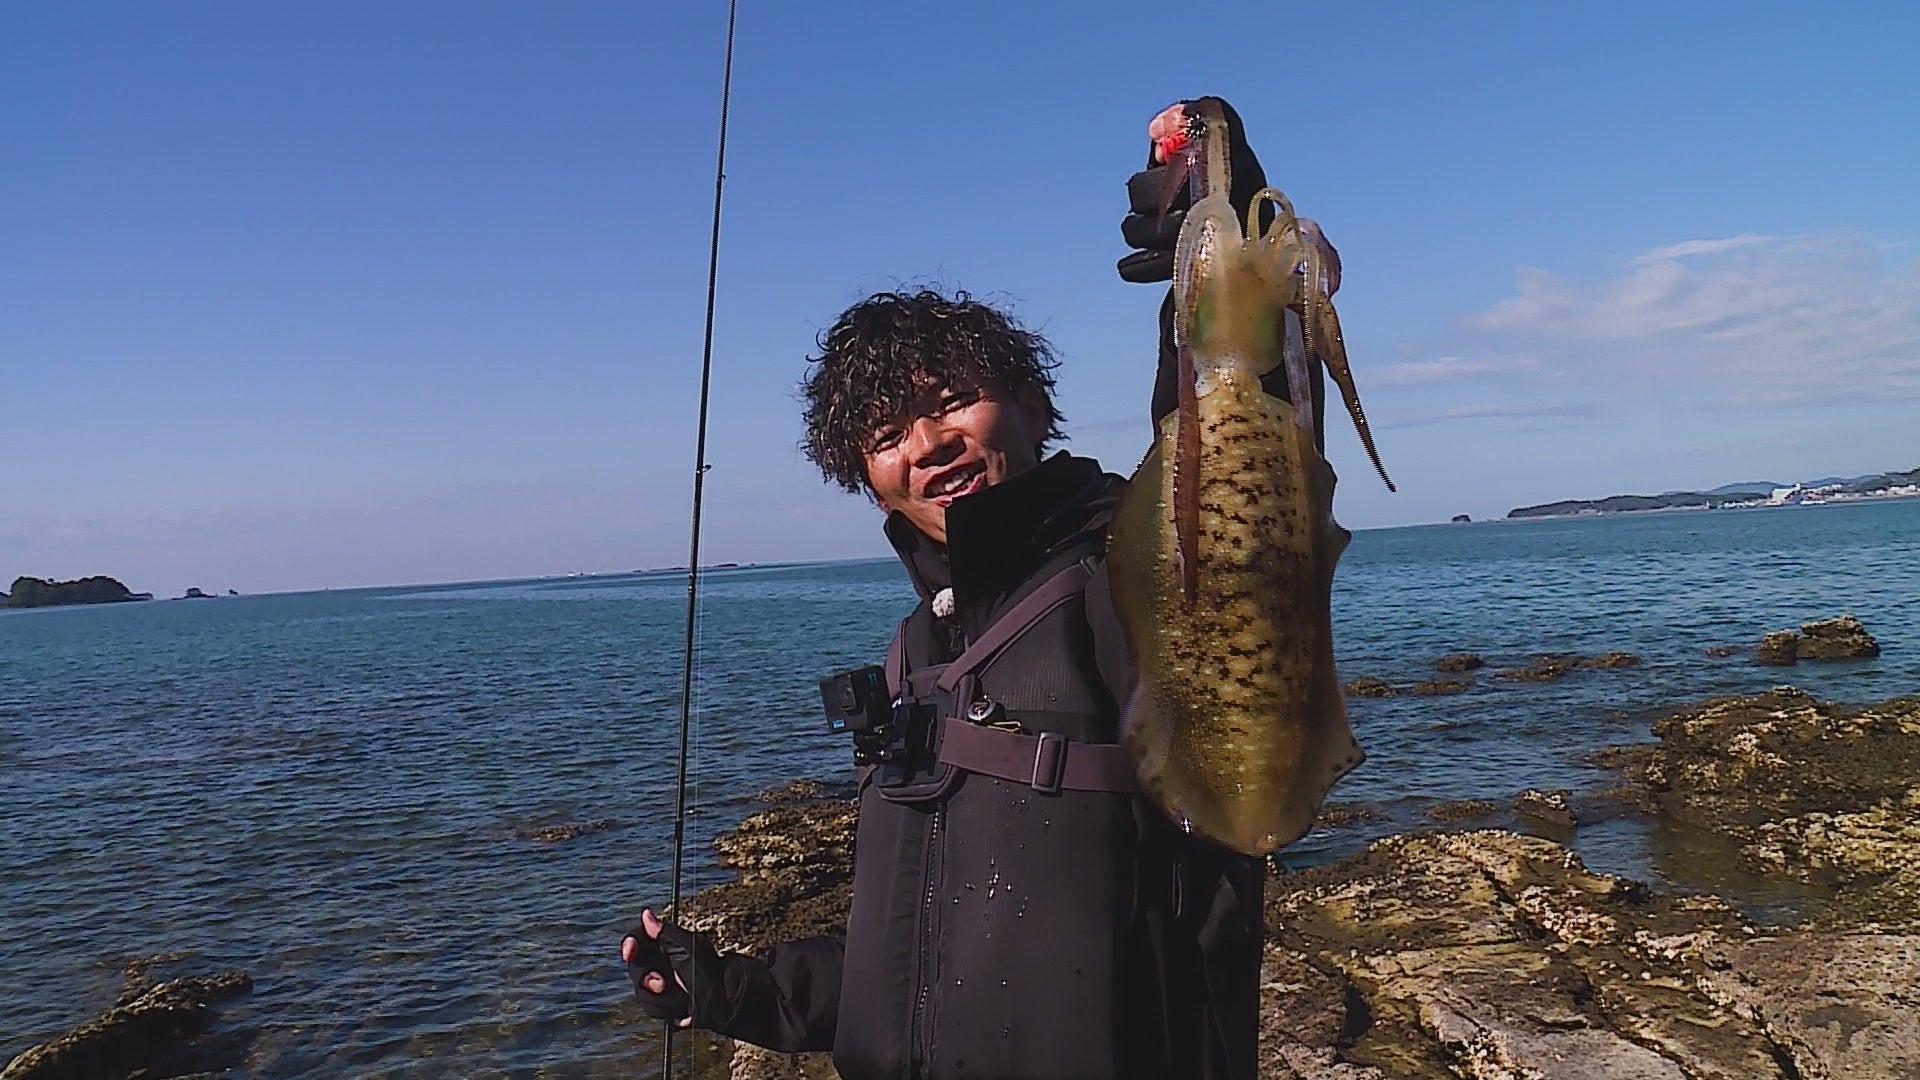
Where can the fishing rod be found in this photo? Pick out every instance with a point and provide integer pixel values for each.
(700, 467)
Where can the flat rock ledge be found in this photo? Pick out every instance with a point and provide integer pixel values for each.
(1550, 667)
(1817, 792)
(1488, 955)
(147, 1034)
(1492, 955)
(1370, 686)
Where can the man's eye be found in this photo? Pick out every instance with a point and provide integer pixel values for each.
(886, 440)
(957, 401)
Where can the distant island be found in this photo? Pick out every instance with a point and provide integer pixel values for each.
(1729, 496)
(38, 592)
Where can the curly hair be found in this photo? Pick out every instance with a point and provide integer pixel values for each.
(887, 348)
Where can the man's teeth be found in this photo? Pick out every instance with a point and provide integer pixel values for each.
(953, 483)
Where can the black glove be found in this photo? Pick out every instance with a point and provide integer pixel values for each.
(685, 959)
(1154, 233)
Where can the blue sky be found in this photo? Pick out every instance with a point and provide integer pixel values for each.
(330, 295)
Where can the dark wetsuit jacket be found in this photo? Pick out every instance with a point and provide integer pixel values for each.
(999, 931)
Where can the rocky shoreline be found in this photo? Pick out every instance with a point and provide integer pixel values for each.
(152, 1030)
(1448, 951)
(1494, 955)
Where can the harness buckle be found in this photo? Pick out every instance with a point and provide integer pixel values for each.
(1049, 762)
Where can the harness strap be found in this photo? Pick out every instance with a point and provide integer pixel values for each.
(896, 666)
(1017, 620)
(1049, 762)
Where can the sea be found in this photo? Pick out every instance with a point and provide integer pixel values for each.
(342, 792)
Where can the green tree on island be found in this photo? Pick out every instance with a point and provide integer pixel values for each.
(39, 592)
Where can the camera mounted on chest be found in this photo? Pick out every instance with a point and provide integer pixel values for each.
(916, 732)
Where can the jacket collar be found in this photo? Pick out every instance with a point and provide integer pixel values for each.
(997, 537)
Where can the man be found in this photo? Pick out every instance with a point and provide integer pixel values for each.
(1019, 910)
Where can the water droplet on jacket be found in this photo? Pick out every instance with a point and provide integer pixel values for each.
(959, 982)
(1003, 982)
(1005, 1031)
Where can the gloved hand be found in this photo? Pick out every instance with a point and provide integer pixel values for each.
(1153, 232)
(664, 961)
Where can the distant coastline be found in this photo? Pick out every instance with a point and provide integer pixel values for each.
(28, 592)
(1889, 485)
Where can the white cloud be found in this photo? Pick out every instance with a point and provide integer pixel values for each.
(1745, 321)
(1446, 369)
(1699, 247)
(1420, 416)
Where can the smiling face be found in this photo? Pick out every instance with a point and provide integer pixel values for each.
(952, 441)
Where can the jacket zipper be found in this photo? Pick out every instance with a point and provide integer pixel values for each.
(922, 1036)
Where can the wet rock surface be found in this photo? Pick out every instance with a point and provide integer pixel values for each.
(1489, 954)
(801, 791)
(553, 834)
(1810, 790)
(1840, 638)
(1546, 668)
(795, 861)
(1371, 687)
(796, 871)
(1368, 686)
(151, 1032)
(1837, 639)
(1462, 810)
(1552, 666)
(1780, 648)
(1612, 660)
(1552, 808)
(1336, 814)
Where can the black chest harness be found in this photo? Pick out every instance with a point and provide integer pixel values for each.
(969, 732)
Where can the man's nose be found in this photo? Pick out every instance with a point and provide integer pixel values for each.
(930, 442)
